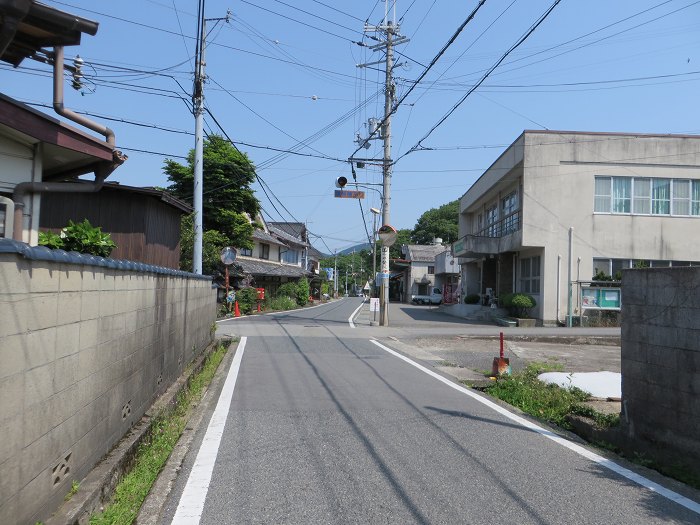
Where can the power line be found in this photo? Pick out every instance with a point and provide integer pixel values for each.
(425, 72)
(338, 10)
(517, 44)
(300, 22)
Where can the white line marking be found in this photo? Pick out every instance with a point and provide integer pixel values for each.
(189, 510)
(352, 315)
(600, 460)
(274, 313)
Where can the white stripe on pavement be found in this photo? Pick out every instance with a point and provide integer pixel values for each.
(604, 462)
(352, 316)
(189, 510)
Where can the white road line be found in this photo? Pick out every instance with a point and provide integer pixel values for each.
(189, 510)
(352, 316)
(604, 462)
(274, 313)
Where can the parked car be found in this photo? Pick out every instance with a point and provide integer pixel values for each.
(435, 297)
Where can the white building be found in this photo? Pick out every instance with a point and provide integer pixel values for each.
(426, 269)
(614, 200)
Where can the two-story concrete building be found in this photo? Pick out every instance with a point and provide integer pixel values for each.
(559, 206)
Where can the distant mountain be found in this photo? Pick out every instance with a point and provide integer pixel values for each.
(357, 248)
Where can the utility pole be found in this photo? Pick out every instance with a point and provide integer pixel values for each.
(198, 110)
(391, 38)
(335, 275)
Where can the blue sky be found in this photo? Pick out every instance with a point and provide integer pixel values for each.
(284, 72)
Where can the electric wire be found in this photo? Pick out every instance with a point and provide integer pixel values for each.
(517, 44)
(426, 70)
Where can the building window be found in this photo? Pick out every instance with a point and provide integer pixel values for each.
(431, 270)
(509, 205)
(246, 252)
(290, 256)
(647, 196)
(622, 195)
(601, 266)
(681, 197)
(264, 251)
(602, 194)
(660, 196)
(530, 275)
(491, 219)
(642, 196)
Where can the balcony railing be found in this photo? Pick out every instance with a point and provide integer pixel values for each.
(508, 224)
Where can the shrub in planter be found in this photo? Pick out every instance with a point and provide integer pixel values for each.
(521, 304)
(472, 298)
(247, 299)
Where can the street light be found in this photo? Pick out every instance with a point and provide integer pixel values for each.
(375, 212)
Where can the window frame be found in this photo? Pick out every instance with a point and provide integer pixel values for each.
(264, 251)
(530, 279)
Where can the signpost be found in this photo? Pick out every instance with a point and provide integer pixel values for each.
(349, 194)
(228, 256)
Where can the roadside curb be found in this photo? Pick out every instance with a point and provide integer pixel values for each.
(98, 486)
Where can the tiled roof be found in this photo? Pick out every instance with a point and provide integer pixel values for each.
(286, 237)
(295, 229)
(259, 267)
(425, 253)
(263, 236)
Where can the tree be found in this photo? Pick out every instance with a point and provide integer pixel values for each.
(440, 222)
(404, 237)
(212, 243)
(227, 176)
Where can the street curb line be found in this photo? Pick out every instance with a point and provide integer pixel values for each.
(274, 313)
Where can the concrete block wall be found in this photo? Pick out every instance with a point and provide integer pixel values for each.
(84, 351)
(661, 363)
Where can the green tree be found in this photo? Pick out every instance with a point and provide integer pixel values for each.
(404, 237)
(212, 243)
(227, 176)
(440, 222)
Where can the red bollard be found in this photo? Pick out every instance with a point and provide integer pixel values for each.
(501, 365)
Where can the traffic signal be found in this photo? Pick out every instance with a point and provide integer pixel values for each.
(341, 181)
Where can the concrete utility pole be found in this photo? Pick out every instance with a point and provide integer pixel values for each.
(391, 32)
(198, 107)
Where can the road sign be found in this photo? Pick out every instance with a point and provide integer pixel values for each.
(381, 276)
(349, 194)
(374, 304)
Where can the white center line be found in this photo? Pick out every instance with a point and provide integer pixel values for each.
(604, 462)
(189, 510)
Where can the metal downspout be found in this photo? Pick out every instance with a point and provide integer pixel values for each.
(66, 187)
(65, 112)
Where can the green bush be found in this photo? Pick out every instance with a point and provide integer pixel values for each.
(247, 299)
(283, 303)
(522, 303)
(472, 298)
(80, 237)
(288, 290)
(302, 291)
(506, 301)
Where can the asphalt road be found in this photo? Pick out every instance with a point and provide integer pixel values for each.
(325, 426)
